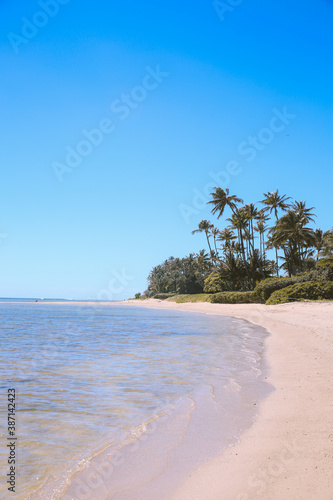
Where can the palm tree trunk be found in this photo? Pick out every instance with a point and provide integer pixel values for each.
(243, 254)
(210, 248)
(252, 236)
(276, 250)
(277, 262)
(215, 245)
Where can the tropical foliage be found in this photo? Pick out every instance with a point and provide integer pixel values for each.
(180, 276)
(234, 298)
(239, 254)
(309, 290)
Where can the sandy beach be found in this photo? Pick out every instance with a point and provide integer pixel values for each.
(288, 453)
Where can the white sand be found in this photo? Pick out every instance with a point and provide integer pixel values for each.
(288, 453)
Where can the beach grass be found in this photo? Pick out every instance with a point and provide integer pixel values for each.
(196, 297)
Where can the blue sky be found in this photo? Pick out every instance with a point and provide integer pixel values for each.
(196, 85)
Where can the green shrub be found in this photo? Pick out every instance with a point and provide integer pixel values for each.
(234, 298)
(163, 296)
(137, 295)
(195, 297)
(214, 283)
(265, 288)
(321, 273)
(309, 290)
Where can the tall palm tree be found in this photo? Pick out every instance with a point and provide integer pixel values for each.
(261, 228)
(292, 236)
(226, 236)
(247, 238)
(326, 253)
(273, 202)
(221, 200)
(319, 241)
(238, 222)
(252, 214)
(215, 233)
(203, 260)
(304, 213)
(232, 270)
(205, 227)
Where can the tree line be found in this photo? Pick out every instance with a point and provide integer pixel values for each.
(237, 255)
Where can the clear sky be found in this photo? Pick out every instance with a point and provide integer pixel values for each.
(181, 92)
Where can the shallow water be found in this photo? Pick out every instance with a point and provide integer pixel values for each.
(141, 395)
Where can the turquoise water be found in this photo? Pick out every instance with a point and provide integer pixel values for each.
(89, 379)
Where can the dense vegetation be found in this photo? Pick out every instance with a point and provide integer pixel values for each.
(237, 257)
(309, 290)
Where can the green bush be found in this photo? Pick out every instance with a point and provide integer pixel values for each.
(163, 296)
(321, 273)
(309, 290)
(214, 283)
(194, 297)
(137, 295)
(265, 288)
(234, 298)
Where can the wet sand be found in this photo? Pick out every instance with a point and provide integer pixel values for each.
(288, 452)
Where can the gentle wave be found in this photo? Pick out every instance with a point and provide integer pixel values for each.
(93, 379)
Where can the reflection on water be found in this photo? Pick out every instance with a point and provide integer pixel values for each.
(88, 375)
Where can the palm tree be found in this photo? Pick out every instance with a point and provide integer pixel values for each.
(247, 238)
(326, 253)
(273, 202)
(221, 199)
(215, 233)
(205, 227)
(252, 214)
(305, 215)
(261, 228)
(232, 270)
(319, 241)
(226, 236)
(238, 221)
(301, 210)
(293, 237)
(258, 268)
(203, 260)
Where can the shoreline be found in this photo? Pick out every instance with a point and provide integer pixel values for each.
(287, 453)
(197, 426)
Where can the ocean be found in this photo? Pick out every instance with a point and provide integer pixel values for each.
(121, 402)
